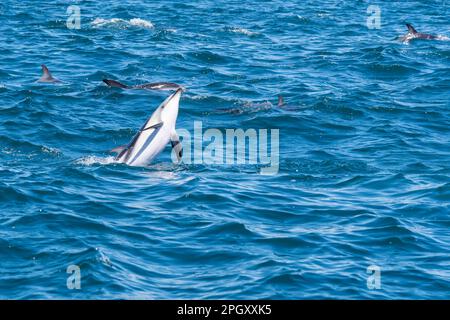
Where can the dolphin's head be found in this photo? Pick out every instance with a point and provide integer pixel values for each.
(169, 108)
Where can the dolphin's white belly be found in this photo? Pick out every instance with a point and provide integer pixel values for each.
(149, 144)
(154, 135)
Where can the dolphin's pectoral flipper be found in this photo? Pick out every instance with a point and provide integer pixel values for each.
(155, 126)
(411, 28)
(128, 149)
(114, 83)
(155, 129)
(176, 145)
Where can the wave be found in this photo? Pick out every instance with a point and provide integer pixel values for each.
(442, 38)
(240, 30)
(122, 23)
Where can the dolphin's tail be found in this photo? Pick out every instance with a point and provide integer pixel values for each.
(411, 28)
(114, 83)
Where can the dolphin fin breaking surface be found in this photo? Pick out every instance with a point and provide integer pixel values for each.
(114, 83)
(413, 34)
(46, 75)
(411, 28)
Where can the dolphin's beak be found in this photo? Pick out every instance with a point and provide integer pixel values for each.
(176, 95)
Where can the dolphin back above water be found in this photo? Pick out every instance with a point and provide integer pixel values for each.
(154, 135)
(413, 34)
(150, 86)
(46, 75)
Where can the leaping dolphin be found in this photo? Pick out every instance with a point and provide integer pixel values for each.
(154, 135)
(46, 75)
(150, 86)
(413, 34)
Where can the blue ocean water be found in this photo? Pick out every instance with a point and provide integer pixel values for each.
(364, 175)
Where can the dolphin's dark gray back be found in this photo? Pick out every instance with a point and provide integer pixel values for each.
(419, 35)
(151, 86)
(159, 86)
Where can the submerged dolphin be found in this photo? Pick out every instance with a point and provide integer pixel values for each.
(154, 135)
(151, 86)
(46, 75)
(413, 34)
(254, 107)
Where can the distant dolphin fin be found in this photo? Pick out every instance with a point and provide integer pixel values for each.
(45, 72)
(411, 28)
(280, 100)
(176, 145)
(119, 149)
(114, 83)
(46, 75)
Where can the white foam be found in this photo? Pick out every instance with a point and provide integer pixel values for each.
(101, 22)
(198, 97)
(50, 150)
(141, 23)
(136, 22)
(91, 160)
(442, 38)
(242, 31)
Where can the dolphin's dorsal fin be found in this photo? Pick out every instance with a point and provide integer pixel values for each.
(411, 28)
(45, 72)
(280, 100)
(114, 83)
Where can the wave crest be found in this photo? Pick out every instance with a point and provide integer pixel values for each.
(122, 23)
(240, 30)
